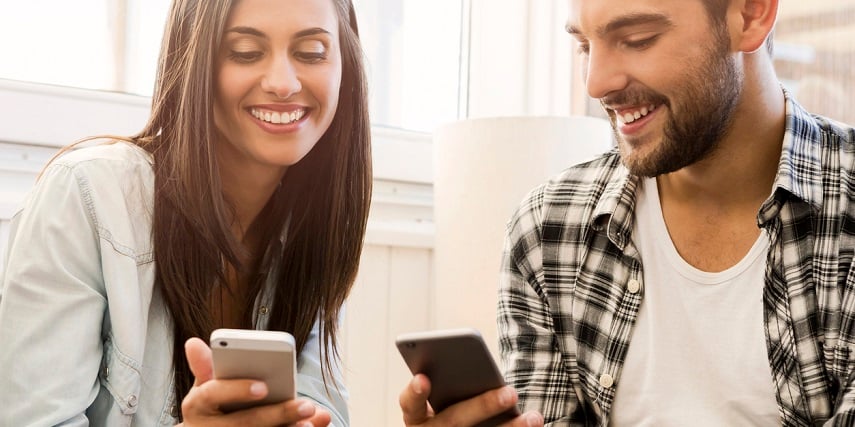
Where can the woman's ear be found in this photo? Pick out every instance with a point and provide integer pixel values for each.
(758, 19)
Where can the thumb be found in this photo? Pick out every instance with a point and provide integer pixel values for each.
(199, 358)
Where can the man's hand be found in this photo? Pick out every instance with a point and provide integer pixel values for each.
(418, 413)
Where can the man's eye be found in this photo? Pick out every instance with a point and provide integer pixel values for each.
(641, 44)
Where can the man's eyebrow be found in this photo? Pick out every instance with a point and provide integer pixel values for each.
(628, 20)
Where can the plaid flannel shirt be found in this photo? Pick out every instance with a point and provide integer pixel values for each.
(566, 312)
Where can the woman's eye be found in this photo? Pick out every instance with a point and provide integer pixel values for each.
(311, 56)
(244, 57)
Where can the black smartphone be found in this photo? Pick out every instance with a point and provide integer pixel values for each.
(458, 364)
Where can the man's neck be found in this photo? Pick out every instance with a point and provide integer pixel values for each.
(742, 169)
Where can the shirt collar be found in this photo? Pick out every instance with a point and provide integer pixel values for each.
(798, 174)
(799, 169)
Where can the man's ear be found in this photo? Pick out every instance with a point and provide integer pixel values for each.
(758, 19)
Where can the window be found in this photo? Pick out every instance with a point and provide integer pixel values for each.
(815, 56)
(413, 51)
(59, 42)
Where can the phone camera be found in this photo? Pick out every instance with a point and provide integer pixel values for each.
(224, 344)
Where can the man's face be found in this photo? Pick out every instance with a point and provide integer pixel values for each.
(663, 72)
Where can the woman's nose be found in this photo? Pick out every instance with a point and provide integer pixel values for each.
(281, 79)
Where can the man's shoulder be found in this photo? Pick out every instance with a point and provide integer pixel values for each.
(842, 133)
(578, 188)
(582, 183)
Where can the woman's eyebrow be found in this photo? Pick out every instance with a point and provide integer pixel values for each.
(299, 34)
(246, 30)
(310, 32)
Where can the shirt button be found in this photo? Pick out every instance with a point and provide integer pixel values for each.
(132, 400)
(606, 380)
(263, 310)
(633, 286)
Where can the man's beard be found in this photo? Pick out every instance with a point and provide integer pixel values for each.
(705, 106)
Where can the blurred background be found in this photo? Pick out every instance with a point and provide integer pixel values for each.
(72, 69)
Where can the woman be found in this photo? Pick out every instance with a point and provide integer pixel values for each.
(242, 203)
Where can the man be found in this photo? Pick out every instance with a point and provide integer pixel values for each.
(702, 273)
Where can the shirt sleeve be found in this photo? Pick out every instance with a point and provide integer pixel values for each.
(332, 396)
(531, 359)
(52, 303)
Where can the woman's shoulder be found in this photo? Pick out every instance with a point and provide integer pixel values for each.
(110, 152)
(117, 161)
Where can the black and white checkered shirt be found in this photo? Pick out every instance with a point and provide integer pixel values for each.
(572, 283)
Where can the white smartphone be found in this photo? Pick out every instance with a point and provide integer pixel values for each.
(458, 364)
(268, 356)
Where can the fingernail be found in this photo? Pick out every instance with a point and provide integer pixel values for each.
(533, 419)
(305, 409)
(417, 387)
(258, 389)
(506, 396)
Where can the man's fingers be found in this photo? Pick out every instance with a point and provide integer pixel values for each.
(199, 358)
(413, 401)
(479, 408)
(530, 419)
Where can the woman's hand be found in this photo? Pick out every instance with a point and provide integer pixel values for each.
(201, 406)
(418, 413)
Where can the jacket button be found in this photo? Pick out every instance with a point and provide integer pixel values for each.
(263, 309)
(606, 380)
(105, 372)
(174, 411)
(633, 286)
(132, 400)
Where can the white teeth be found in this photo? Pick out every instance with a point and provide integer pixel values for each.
(278, 118)
(633, 116)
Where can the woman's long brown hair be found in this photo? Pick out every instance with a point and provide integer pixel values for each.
(326, 195)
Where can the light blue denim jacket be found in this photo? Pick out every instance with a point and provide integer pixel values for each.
(84, 339)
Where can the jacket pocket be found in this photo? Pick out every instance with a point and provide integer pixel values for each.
(120, 375)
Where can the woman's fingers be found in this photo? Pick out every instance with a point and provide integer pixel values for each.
(208, 398)
(199, 358)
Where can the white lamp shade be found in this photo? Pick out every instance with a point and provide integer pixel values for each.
(482, 170)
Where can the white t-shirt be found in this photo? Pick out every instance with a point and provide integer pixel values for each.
(697, 355)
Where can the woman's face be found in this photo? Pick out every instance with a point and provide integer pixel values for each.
(278, 71)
